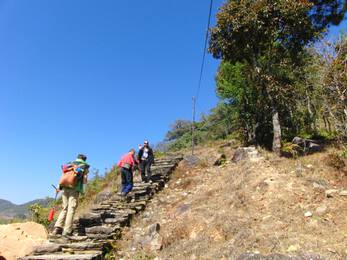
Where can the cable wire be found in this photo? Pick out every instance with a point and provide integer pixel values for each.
(205, 49)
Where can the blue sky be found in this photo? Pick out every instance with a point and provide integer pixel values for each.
(93, 77)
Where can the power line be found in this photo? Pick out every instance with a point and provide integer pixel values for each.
(201, 73)
(205, 49)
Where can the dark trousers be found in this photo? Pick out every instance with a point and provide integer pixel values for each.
(127, 180)
(145, 168)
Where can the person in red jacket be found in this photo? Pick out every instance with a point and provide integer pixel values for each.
(127, 163)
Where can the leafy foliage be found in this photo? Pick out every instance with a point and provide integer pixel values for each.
(39, 214)
(267, 38)
(272, 83)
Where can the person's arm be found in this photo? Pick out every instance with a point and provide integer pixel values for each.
(140, 155)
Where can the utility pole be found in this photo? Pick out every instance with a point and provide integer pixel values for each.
(193, 125)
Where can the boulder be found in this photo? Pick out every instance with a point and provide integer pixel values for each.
(240, 154)
(192, 160)
(307, 145)
(20, 239)
(243, 153)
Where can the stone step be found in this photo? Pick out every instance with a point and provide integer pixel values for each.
(102, 237)
(50, 248)
(103, 224)
(101, 230)
(121, 221)
(93, 256)
(90, 219)
(71, 239)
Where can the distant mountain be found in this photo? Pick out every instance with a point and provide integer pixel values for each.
(9, 210)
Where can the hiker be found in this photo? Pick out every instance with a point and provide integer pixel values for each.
(63, 226)
(146, 158)
(127, 164)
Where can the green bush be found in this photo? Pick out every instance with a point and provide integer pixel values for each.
(39, 214)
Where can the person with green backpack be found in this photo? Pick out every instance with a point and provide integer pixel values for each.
(71, 183)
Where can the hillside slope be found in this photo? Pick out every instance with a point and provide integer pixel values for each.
(267, 205)
(9, 210)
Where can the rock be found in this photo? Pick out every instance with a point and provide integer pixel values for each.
(240, 154)
(84, 246)
(343, 193)
(90, 219)
(18, 244)
(308, 146)
(96, 256)
(308, 214)
(192, 160)
(153, 229)
(47, 249)
(314, 147)
(100, 230)
(299, 141)
(152, 243)
(243, 153)
(318, 186)
(330, 193)
(321, 210)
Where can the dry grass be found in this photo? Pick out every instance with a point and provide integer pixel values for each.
(256, 207)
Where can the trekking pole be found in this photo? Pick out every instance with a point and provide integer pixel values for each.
(52, 211)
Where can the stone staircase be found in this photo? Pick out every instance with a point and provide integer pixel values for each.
(96, 230)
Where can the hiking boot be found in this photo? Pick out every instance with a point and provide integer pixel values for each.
(57, 231)
(67, 235)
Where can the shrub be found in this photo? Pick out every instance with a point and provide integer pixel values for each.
(291, 150)
(39, 214)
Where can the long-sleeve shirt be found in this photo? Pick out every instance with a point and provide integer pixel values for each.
(127, 159)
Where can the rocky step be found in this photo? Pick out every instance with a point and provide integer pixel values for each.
(91, 256)
(102, 230)
(137, 206)
(50, 248)
(103, 224)
(125, 221)
(161, 168)
(90, 219)
(104, 237)
(72, 239)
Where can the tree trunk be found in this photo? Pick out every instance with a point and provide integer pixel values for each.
(276, 144)
(309, 109)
